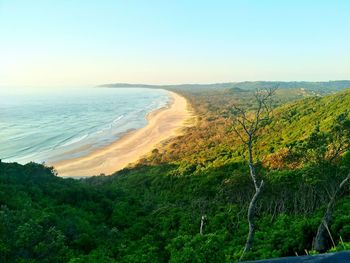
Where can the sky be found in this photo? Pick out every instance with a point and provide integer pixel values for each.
(83, 42)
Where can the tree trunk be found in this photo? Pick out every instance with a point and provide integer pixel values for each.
(253, 201)
(251, 220)
(202, 225)
(320, 243)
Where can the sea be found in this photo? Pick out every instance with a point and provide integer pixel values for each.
(47, 125)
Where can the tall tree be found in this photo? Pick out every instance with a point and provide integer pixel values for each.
(246, 124)
(338, 143)
(320, 242)
(325, 149)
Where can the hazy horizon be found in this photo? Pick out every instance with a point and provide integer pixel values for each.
(4, 89)
(85, 43)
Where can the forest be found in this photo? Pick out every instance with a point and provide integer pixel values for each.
(188, 200)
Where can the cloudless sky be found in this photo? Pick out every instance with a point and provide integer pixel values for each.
(82, 42)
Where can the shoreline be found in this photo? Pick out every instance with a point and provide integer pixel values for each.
(163, 124)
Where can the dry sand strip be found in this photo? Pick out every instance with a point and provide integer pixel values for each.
(162, 125)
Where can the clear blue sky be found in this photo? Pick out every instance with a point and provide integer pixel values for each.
(82, 42)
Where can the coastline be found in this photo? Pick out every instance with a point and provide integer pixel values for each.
(163, 124)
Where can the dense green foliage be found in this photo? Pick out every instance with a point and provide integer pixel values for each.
(152, 212)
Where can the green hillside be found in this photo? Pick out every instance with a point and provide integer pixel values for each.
(152, 212)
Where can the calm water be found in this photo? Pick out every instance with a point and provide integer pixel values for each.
(50, 126)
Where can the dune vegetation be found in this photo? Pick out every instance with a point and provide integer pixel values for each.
(187, 201)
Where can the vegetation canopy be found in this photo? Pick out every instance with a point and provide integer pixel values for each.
(188, 200)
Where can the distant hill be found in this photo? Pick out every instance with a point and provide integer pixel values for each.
(248, 85)
(329, 85)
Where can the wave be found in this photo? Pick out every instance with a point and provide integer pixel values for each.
(118, 119)
(75, 140)
(110, 125)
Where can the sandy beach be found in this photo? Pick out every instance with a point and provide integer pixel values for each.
(162, 124)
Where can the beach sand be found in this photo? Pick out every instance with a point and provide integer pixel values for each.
(162, 124)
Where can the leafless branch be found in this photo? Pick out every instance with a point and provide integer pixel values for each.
(246, 125)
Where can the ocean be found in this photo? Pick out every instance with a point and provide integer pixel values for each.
(45, 125)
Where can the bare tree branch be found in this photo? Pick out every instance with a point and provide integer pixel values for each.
(246, 125)
(320, 240)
